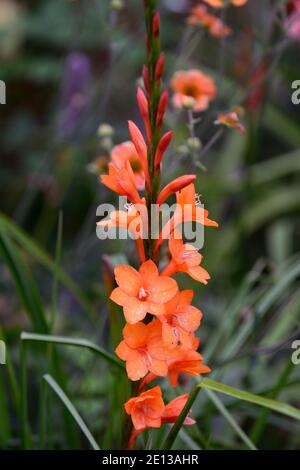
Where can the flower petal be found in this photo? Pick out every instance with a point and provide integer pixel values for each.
(128, 279)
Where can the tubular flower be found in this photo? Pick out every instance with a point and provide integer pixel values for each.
(188, 209)
(121, 181)
(231, 119)
(193, 87)
(143, 350)
(124, 152)
(174, 408)
(180, 321)
(186, 259)
(200, 16)
(221, 3)
(141, 292)
(185, 362)
(146, 410)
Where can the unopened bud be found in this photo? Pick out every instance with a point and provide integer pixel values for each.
(117, 4)
(194, 143)
(105, 130)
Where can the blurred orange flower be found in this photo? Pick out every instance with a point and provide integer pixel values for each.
(141, 292)
(143, 350)
(199, 15)
(231, 119)
(193, 88)
(124, 152)
(220, 3)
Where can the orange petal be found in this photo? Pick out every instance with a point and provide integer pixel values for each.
(123, 351)
(162, 290)
(135, 335)
(149, 271)
(136, 366)
(119, 296)
(135, 310)
(199, 274)
(128, 279)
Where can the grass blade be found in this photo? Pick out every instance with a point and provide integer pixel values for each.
(274, 405)
(72, 410)
(56, 271)
(82, 343)
(229, 418)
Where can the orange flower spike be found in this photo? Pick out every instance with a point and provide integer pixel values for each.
(193, 86)
(143, 350)
(185, 258)
(126, 151)
(141, 292)
(146, 409)
(185, 362)
(173, 410)
(162, 147)
(180, 321)
(174, 186)
(141, 147)
(143, 107)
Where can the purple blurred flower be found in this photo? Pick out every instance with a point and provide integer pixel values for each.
(74, 92)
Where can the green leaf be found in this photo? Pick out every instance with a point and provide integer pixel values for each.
(274, 405)
(230, 419)
(72, 410)
(82, 343)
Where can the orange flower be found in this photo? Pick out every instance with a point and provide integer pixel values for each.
(124, 152)
(141, 292)
(220, 3)
(133, 220)
(187, 210)
(200, 16)
(121, 181)
(186, 259)
(142, 349)
(180, 321)
(231, 119)
(146, 409)
(184, 362)
(174, 408)
(193, 87)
